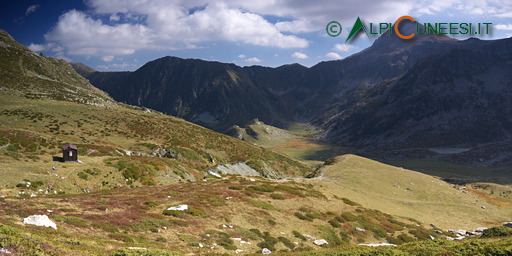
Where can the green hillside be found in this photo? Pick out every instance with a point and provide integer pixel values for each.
(44, 104)
(135, 163)
(408, 193)
(223, 215)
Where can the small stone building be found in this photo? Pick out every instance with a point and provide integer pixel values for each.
(69, 153)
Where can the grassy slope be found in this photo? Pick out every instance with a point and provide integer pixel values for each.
(34, 129)
(44, 103)
(408, 193)
(106, 221)
(395, 190)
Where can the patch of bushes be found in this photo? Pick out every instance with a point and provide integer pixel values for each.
(400, 239)
(302, 217)
(249, 233)
(82, 175)
(348, 216)
(72, 220)
(145, 252)
(421, 233)
(122, 237)
(93, 171)
(263, 205)
(330, 236)
(151, 203)
(268, 242)
(290, 190)
(298, 235)
(223, 239)
(262, 188)
(497, 232)
(349, 202)
(106, 226)
(30, 184)
(194, 211)
(334, 223)
(257, 232)
(277, 196)
(286, 242)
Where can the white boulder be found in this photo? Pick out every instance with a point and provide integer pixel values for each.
(181, 207)
(320, 242)
(266, 251)
(39, 220)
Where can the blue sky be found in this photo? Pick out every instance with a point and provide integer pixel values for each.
(111, 35)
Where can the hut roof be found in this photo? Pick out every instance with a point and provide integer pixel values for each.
(69, 146)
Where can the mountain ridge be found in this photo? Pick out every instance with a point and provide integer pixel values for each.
(335, 95)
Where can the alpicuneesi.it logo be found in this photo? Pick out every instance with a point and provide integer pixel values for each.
(334, 28)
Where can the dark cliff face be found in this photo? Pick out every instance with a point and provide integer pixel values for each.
(460, 95)
(430, 91)
(213, 94)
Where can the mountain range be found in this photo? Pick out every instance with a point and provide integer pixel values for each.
(433, 91)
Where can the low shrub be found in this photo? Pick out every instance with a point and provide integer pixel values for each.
(497, 231)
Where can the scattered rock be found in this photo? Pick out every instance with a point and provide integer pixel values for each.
(431, 237)
(39, 220)
(237, 251)
(4, 251)
(320, 242)
(251, 179)
(211, 172)
(136, 248)
(438, 231)
(507, 224)
(178, 208)
(459, 232)
(480, 230)
(228, 198)
(483, 207)
(201, 245)
(309, 237)
(376, 245)
(360, 229)
(266, 251)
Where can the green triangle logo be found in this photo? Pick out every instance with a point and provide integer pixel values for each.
(356, 28)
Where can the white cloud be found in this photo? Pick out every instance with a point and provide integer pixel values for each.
(503, 26)
(253, 60)
(117, 66)
(299, 55)
(241, 56)
(81, 35)
(31, 9)
(167, 26)
(343, 47)
(296, 26)
(334, 55)
(36, 47)
(107, 58)
(504, 15)
(114, 17)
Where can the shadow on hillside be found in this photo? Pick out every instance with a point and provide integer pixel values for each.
(453, 173)
(57, 159)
